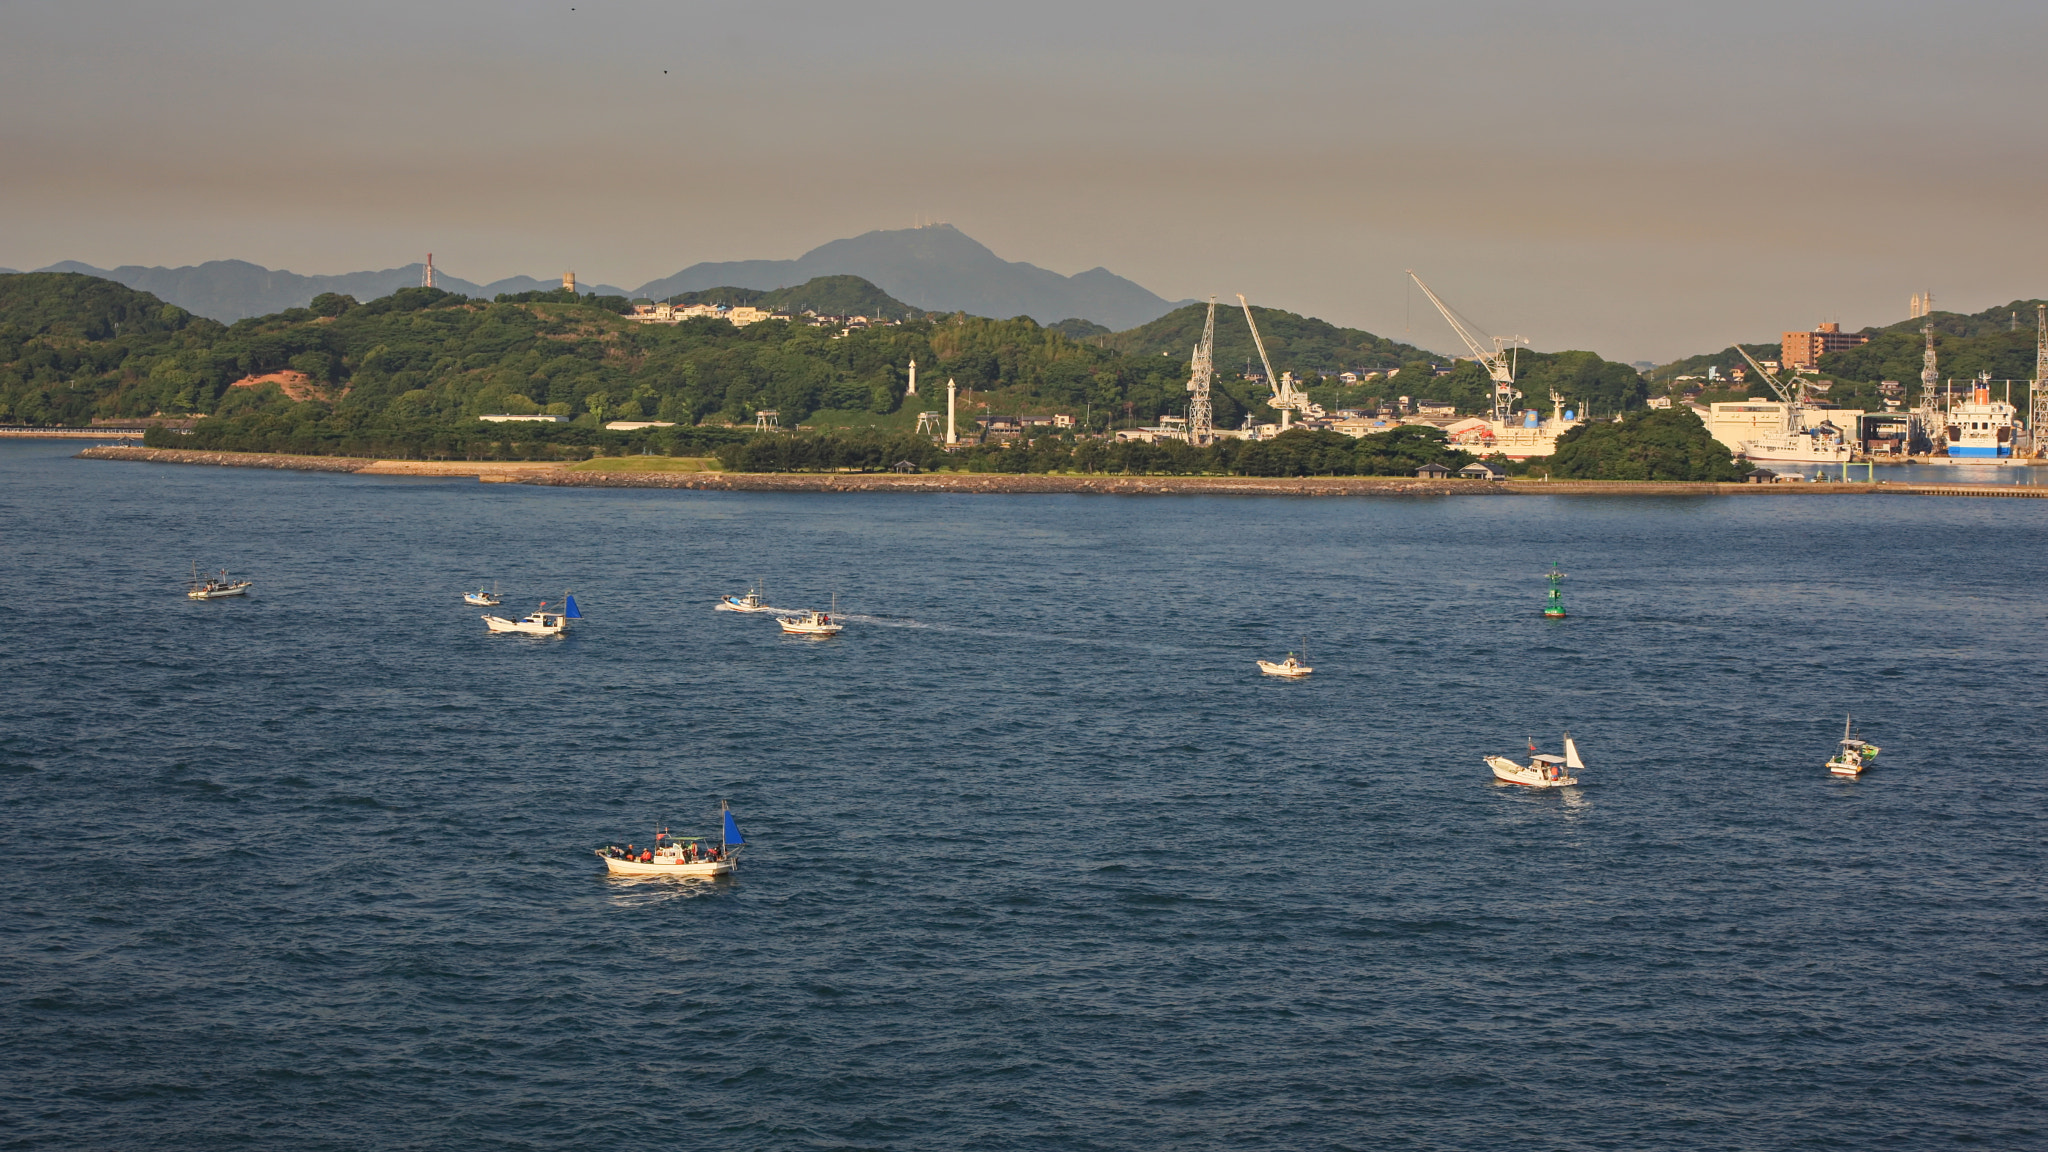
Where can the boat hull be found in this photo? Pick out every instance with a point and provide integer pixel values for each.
(481, 601)
(667, 867)
(1285, 671)
(525, 628)
(1508, 772)
(218, 593)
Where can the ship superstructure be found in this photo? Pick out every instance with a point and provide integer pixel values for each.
(1980, 428)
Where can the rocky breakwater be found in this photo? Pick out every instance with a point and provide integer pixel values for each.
(993, 483)
(227, 459)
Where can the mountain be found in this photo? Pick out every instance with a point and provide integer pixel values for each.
(231, 290)
(940, 269)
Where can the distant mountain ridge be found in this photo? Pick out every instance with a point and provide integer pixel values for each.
(940, 269)
(935, 268)
(231, 290)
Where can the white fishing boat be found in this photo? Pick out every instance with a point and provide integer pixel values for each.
(1542, 771)
(1290, 668)
(540, 622)
(1853, 755)
(753, 601)
(483, 599)
(216, 587)
(678, 856)
(812, 622)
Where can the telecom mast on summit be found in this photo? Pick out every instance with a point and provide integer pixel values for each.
(427, 277)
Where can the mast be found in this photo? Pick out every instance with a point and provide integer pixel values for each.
(1201, 419)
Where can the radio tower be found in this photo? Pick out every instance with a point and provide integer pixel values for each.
(2037, 424)
(1201, 420)
(1932, 424)
(427, 277)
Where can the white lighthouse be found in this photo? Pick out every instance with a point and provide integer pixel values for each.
(952, 435)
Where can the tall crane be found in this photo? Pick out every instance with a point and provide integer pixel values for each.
(1933, 421)
(1499, 363)
(1201, 419)
(1286, 398)
(2037, 424)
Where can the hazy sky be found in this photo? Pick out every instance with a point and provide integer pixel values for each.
(1644, 179)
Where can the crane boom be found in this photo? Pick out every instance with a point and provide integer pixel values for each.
(1286, 399)
(1496, 362)
(1783, 392)
(1272, 381)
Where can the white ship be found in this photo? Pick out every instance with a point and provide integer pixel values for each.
(539, 622)
(216, 587)
(1787, 431)
(1980, 429)
(1542, 771)
(1799, 442)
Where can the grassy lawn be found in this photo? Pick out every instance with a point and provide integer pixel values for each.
(647, 464)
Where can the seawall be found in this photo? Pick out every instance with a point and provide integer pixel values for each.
(559, 475)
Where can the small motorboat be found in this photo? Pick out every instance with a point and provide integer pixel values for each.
(1291, 668)
(1853, 755)
(540, 622)
(678, 856)
(1542, 771)
(813, 622)
(753, 601)
(216, 587)
(483, 599)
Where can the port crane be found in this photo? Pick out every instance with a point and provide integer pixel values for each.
(1784, 393)
(1201, 417)
(1500, 363)
(1286, 397)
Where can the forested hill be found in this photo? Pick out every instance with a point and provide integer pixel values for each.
(416, 368)
(73, 348)
(1997, 340)
(1297, 344)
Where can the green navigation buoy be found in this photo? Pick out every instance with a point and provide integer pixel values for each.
(1553, 608)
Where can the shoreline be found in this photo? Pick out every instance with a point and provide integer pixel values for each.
(558, 475)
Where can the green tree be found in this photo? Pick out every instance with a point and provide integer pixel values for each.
(1653, 444)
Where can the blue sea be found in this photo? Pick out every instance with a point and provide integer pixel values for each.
(1036, 859)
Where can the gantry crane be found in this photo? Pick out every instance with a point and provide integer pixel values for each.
(1500, 363)
(1286, 398)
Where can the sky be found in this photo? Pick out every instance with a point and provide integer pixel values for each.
(1648, 180)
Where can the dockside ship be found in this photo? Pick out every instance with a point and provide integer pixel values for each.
(1980, 428)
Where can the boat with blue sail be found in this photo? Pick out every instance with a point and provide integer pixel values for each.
(679, 856)
(539, 622)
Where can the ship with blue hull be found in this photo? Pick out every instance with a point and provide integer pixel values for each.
(1980, 429)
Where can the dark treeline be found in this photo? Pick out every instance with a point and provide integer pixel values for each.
(306, 431)
(1300, 452)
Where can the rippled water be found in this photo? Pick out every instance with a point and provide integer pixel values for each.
(1037, 861)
